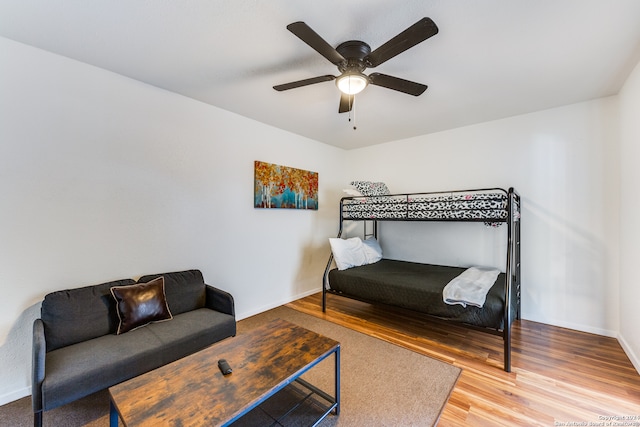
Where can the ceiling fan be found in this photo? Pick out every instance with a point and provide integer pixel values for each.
(354, 56)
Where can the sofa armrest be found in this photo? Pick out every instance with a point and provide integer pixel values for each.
(39, 351)
(220, 300)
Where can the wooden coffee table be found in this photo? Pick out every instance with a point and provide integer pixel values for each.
(193, 392)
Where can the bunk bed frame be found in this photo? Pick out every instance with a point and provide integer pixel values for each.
(405, 210)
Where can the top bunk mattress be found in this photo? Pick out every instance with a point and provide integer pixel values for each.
(418, 287)
(481, 205)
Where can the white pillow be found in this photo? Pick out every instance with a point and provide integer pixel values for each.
(354, 252)
(348, 252)
(372, 250)
(352, 192)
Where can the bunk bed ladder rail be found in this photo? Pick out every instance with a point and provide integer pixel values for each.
(325, 276)
(512, 272)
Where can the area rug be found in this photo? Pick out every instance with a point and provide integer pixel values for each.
(381, 384)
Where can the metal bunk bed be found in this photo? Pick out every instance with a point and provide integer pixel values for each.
(493, 206)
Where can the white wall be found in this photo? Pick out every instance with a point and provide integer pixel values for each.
(564, 164)
(629, 221)
(103, 177)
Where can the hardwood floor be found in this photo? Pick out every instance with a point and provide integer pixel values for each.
(559, 376)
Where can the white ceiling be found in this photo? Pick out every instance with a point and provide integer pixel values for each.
(491, 59)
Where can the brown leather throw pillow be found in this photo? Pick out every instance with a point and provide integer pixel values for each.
(141, 304)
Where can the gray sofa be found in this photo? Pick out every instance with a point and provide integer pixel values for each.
(77, 352)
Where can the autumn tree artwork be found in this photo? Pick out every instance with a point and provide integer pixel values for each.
(278, 186)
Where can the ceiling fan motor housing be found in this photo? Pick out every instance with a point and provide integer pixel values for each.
(355, 52)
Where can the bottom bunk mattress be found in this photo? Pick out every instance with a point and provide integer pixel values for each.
(419, 287)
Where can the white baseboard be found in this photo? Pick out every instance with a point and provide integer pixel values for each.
(582, 328)
(15, 395)
(630, 354)
(253, 312)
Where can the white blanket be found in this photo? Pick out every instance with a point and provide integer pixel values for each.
(470, 287)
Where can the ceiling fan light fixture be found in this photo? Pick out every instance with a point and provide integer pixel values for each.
(352, 82)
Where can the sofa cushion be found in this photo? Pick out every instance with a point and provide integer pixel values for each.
(140, 304)
(74, 315)
(86, 367)
(185, 290)
(192, 331)
(78, 370)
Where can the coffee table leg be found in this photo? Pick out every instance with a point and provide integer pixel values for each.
(113, 415)
(337, 378)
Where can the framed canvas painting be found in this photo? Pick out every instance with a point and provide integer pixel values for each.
(277, 186)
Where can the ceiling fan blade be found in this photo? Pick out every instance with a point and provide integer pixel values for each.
(304, 82)
(395, 83)
(310, 37)
(417, 33)
(346, 103)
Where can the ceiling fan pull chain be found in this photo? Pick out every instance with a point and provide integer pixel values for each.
(354, 112)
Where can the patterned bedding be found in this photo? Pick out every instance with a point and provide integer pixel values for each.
(481, 205)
